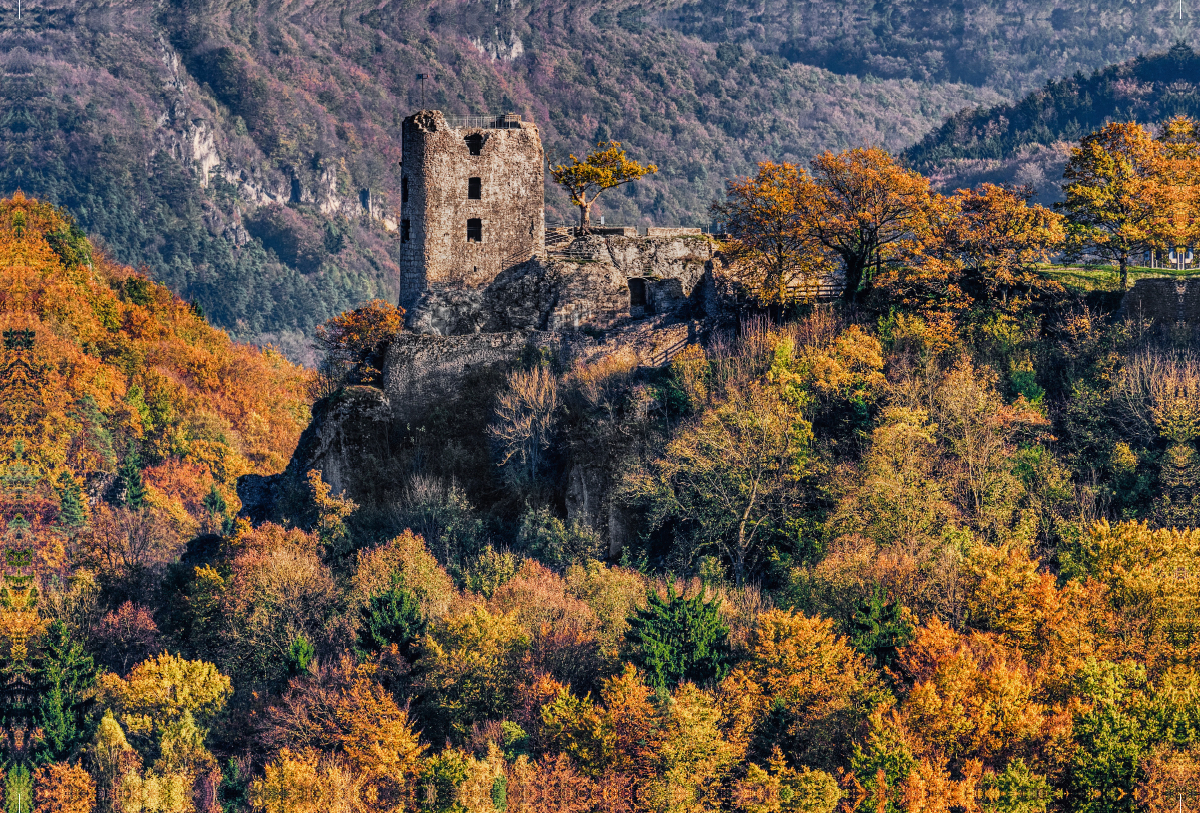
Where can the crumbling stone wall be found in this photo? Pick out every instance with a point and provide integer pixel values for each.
(587, 287)
(437, 167)
(1166, 301)
(672, 231)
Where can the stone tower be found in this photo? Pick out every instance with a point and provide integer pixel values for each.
(472, 198)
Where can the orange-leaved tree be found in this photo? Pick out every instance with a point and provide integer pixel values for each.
(355, 344)
(1116, 200)
(1180, 138)
(63, 788)
(867, 209)
(771, 252)
(983, 253)
(586, 178)
(105, 370)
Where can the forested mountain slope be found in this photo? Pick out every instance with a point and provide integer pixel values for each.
(233, 147)
(1012, 46)
(1028, 141)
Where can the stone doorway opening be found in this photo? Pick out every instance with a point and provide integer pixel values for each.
(638, 304)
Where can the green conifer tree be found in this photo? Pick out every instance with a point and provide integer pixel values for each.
(879, 629)
(70, 496)
(300, 656)
(679, 639)
(134, 488)
(63, 675)
(218, 510)
(391, 617)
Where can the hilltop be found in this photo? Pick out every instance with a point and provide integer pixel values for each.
(1028, 141)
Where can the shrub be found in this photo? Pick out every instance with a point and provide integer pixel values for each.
(355, 345)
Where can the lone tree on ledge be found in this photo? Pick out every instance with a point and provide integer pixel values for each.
(604, 168)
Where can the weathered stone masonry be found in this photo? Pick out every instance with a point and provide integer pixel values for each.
(467, 217)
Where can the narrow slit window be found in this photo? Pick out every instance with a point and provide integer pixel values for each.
(475, 143)
(474, 230)
(404, 190)
(404, 230)
(474, 188)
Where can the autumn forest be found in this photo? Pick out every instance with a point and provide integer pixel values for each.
(927, 545)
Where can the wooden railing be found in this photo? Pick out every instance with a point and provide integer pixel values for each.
(515, 258)
(814, 292)
(502, 122)
(557, 237)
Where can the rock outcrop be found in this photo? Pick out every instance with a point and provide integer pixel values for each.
(348, 441)
(586, 285)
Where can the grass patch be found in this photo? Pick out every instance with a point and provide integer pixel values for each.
(1083, 279)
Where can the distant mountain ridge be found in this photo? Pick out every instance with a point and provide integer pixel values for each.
(1028, 141)
(1012, 46)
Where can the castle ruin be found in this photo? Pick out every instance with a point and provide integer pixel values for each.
(481, 289)
(472, 198)
(474, 255)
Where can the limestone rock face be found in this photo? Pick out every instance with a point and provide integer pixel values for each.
(422, 370)
(347, 441)
(589, 500)
(349, 432)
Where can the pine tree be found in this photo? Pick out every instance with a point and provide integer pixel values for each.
(64, 674)
(218, 510)
(391, 617)
(300, 656)
(679, 639)
(130, 473)
(71, 513)
(878, 629)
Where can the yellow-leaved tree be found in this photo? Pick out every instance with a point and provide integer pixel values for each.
(161, 690)
(1180, 138)
(1116, 200)
(586, 178)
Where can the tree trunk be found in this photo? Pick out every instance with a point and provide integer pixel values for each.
(584, 217)
(1124, 272)
(854, 275)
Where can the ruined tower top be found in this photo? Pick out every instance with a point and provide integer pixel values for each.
(472, 198)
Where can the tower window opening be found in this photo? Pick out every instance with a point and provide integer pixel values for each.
(474, 189)
(475, 143)
(404, 190)
(474, 230)
(404, 230)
